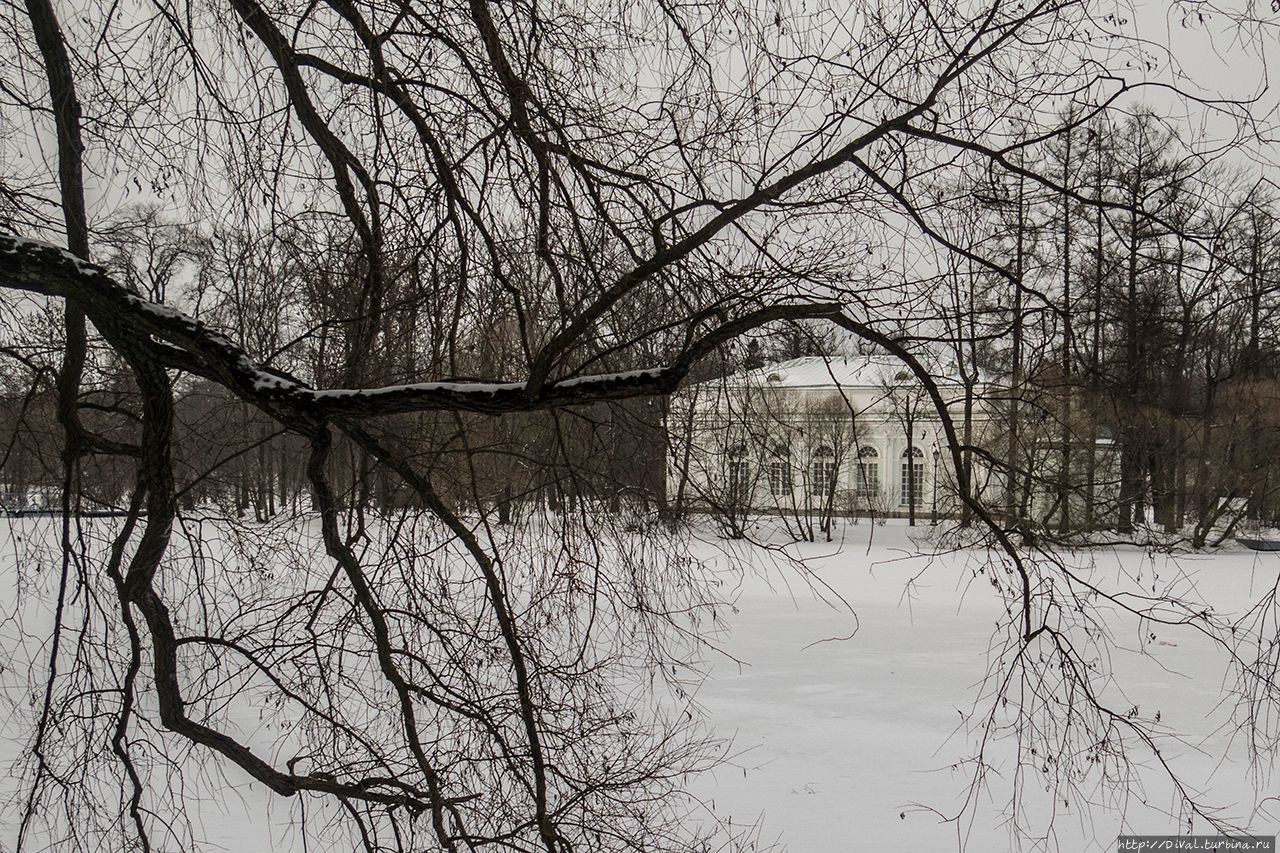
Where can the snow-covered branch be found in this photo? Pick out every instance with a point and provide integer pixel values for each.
(188, 343)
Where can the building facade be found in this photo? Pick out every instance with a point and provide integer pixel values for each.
(854, 435)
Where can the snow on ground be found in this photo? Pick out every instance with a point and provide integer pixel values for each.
(847, 722)
(847, 743)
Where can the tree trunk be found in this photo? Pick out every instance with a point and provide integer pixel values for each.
(1064, 474)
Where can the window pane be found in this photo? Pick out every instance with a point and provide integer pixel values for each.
(779, 478)
(917, 480)
(822, 477)
(739, 480)
(868, 479)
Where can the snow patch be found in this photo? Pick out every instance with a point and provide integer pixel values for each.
(469, 388)
(14, 245)
(611, 378)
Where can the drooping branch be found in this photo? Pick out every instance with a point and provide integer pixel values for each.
(66, 113)
(181, 341)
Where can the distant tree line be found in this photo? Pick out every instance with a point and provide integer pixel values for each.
(1131, 347)
(1132, 344)
(271, 291)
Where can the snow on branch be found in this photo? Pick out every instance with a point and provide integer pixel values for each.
(185, 342)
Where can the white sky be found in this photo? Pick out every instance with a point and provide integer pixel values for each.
(1207, 52)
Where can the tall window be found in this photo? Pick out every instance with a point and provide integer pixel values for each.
(868, 472)
(913, 475)
(739, 480)
(822, 473)
(779, 478)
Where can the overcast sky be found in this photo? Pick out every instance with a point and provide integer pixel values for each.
(1206, 52)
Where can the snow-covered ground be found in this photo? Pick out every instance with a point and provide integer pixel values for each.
(849, 722)
(849, 728)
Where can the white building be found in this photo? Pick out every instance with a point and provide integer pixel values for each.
(837, 435)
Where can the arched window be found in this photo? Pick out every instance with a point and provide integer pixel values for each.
(822, 471)
(913, 477)
(868, 471)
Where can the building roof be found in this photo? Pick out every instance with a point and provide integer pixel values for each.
(854, 371)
